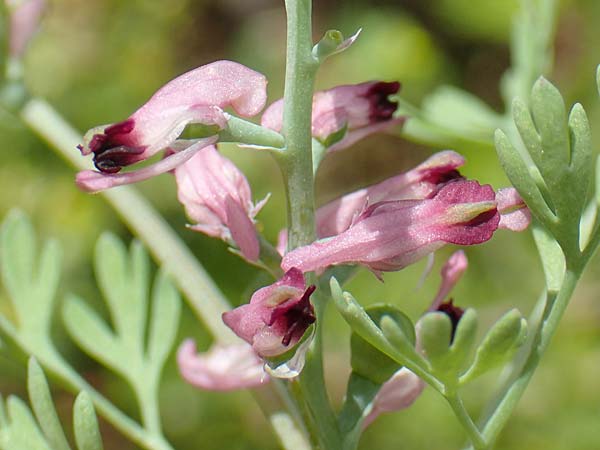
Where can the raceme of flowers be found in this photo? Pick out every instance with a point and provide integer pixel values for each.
(383, 227)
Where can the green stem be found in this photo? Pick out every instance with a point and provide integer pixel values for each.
(465, 420)
(553, 312)
(314, 391)
(200, 290)
(297, 167)
(296, 161)
(147, 395)
(240, 130)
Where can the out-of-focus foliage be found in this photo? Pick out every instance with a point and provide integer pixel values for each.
(98, 60)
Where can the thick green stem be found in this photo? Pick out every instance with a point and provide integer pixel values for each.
(147, 394)
(553, 312)
(297, 167)
(297, 160)
(312, 384)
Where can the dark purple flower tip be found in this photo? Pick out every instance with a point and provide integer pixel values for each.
(382, 108)
(111, 150)
(297, 317)
(453, 312)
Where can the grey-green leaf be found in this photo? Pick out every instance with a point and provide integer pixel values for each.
(358, 319)
(520, 177)
(366, 360)
(402, 338)
(92, 334)
(582, 164)
(43, 407)
(17, 244)
(499, 344)
(112, 274)
(464, 339)
(549, 114)
(551, 257)
(85, 424)
(31, 287)
(435, 330)
(166, 308)
(23, 433)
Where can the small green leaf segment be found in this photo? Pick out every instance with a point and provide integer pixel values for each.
(22, 430)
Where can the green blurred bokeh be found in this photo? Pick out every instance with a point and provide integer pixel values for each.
(97, 61)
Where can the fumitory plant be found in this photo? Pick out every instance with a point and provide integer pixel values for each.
(273, 342)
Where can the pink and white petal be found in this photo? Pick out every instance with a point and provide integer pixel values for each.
(92, 181)
(452, 271)
(396, 394)
(515, 215)
(517, 220)
(353, 136)
(24, 21)
(245, 321)
(242, 229)
(222, 368)
(273, 116)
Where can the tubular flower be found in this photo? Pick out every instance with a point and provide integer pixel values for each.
(198, 96)
(25, 17)
(360, 109)
(276, 317)
(416, 184)
(390, 235)
(217, 198)
(222, 368)
(419, 183)
(396, 394)
(452, 271)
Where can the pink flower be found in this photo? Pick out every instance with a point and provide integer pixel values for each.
(515, 215)
(398, 393)
(452, 271)
(198, 96)
(276, 317)
(217, 198)
(25, 16)
(391, 235)
(222, 368)
(419, 183)
(362, 109)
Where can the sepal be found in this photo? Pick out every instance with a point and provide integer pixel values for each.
(331, 43)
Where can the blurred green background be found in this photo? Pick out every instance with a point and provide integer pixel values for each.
(96, 61)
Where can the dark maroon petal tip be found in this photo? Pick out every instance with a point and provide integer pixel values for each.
(112, 149)
(299, 317)
(112, 160)
(381, 107)
(453, 312)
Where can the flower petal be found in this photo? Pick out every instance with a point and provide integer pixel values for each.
(92, 181)
(222, 368)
